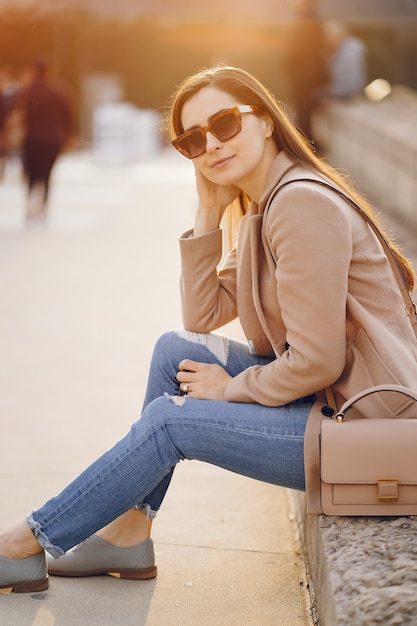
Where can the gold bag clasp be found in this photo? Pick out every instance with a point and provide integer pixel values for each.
(388, 490)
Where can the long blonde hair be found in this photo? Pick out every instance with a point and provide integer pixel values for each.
(248, 90)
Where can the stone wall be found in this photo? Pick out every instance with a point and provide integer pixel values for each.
(376, 144)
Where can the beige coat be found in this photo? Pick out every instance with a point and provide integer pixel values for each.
(329, 306)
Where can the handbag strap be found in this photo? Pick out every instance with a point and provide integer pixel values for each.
(410, 306)
(376, 389)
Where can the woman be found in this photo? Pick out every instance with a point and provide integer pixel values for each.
(315, 296)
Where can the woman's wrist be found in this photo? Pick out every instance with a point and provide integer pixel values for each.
(204, 226)
(208, 219)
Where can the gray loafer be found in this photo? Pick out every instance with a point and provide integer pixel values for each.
(24, 575)
(95, 556)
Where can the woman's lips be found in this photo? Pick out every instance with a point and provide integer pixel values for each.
(221, 162)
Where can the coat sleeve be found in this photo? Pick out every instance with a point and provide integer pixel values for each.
(310, 236)
(208, 294)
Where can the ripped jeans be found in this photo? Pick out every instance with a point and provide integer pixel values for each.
(265, 443)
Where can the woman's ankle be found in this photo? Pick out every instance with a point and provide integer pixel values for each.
(18, 542)
(127, 530)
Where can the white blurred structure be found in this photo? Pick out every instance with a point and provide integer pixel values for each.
(122, 132)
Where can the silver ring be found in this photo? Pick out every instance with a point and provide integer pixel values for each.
(185, 387)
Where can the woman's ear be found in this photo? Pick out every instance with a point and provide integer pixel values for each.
(269, 125)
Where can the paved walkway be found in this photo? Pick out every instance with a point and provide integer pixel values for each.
(83, 301)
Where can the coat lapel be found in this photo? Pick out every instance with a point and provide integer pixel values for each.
(258, 271)
(248, 298)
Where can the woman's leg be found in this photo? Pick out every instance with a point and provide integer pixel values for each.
(171, 348)
(261, 442)
(174, 346)
(135, 525)
(19, 542)
(95, 498)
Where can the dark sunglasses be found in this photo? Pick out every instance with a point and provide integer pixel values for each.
(223, 126)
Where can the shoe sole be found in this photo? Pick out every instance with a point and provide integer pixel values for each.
(145, 573)
(26, 586)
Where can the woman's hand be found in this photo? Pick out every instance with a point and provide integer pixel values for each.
(213, 200)
(204, 381)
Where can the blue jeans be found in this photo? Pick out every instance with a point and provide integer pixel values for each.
(265, 443)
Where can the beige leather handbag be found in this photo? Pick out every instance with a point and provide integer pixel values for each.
(369, 466)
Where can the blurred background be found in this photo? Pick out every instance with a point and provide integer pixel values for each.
(346, 71)
(137, 51)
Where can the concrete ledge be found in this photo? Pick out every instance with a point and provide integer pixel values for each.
(363, 571)
(376, 144)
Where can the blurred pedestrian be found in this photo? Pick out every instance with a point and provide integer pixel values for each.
(45, 110)
(8, 89)
(347, 63)
(306, 63)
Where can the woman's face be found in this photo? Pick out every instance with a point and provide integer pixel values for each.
(240, 160)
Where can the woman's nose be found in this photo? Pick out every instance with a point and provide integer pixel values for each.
(212, 143)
